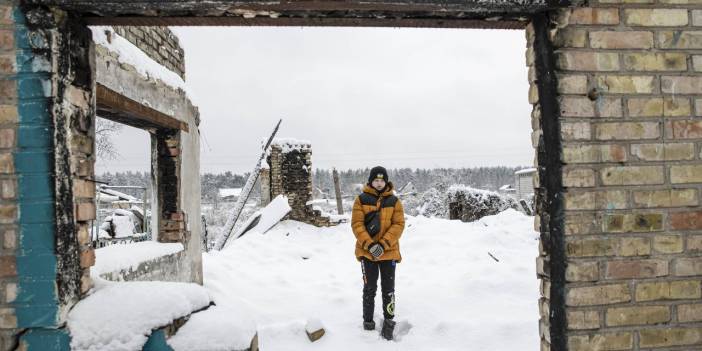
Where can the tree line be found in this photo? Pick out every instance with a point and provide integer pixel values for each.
(490, 178)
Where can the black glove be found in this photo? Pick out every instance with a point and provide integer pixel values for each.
(376, 250)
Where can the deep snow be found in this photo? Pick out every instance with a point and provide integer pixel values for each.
(451, 295)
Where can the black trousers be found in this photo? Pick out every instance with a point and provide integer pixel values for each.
(371, 270)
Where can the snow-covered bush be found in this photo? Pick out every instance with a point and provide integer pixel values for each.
(470, 204)
(431, 203)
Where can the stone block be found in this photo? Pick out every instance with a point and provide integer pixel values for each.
(686, 220)
(632, 175)
(697, 18)
(671, 336)
(8, 114)
(671, 290)
(83, 188)
(638, 315)
(656, 17)
(608, 107)
(681, 174)
(85, 211)
(587, 61)
(626, 84)
(579, 271)
(569, 38)
(7, 165)
(583, 320)
(598, 295)
(694, 243)
(576, 131)
(621, 40)
(683, 129)
(601, 342)
(594, 153)
(685, 267)
(592, 247)
(635, 247)
(680, 39)
(577, 107)
(593, 200)
(655, 61)
(8, 189)
(637, 269)
(582, 223)
(663, 151)
(87, 258)
(589, 15)
(8, 267)
(574, 84)
(668, 244)
(627, 130)
(681, 84)
(632, 222)
(578, 177)
(690, 313)
(8, 214)
(8, 319)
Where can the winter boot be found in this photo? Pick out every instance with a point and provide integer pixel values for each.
(388, 328)
(369, 325)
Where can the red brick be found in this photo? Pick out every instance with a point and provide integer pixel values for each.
(87, 258)
(8, 266)
(686, 220)
(636, 269)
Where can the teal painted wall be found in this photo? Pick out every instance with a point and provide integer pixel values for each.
(36, 305)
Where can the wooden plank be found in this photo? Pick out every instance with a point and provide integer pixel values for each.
(119, 108)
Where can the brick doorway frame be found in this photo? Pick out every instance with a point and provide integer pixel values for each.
(576, 157)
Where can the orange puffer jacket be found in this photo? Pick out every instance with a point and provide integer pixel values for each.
(392, 223)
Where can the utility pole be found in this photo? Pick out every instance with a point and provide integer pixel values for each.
(337, 190)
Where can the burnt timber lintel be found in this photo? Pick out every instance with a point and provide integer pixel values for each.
(503, 14)
(119, 108)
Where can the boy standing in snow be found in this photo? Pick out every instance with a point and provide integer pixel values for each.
(377, 221)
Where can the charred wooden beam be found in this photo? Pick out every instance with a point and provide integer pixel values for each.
(398, 13)
(119, 108)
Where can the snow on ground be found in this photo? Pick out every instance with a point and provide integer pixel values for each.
(117, 257)
(450, 293)
(121, 316)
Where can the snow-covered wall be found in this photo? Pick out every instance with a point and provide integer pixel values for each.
(124, 68)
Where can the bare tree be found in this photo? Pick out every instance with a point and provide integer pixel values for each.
(104, 131)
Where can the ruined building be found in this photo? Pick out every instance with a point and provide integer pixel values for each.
(616, 89)
(289, 172)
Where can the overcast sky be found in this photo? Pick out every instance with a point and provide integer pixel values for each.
(363, 96)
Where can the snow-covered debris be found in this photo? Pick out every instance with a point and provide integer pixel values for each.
(218, 328)
(128, 53)
(114, 258)
(121, 316)
(469, 204)
(228, 192)
(289, 144)
(266, 217)
(450, 292)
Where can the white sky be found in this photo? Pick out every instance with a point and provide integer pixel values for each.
(363, 96)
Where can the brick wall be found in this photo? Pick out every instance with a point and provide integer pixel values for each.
(630, 98)
(159, 43)
(290, 174)
(8, 179)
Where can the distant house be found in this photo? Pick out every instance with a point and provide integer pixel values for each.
(507, 189)
(228, 194)
(524, 183)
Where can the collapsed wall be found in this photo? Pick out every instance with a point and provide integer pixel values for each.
(289, 173)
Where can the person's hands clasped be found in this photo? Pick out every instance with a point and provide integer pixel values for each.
(376, 250)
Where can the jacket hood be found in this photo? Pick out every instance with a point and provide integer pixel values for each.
(388, 190)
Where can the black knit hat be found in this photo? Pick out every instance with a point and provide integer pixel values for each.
(378, 173)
